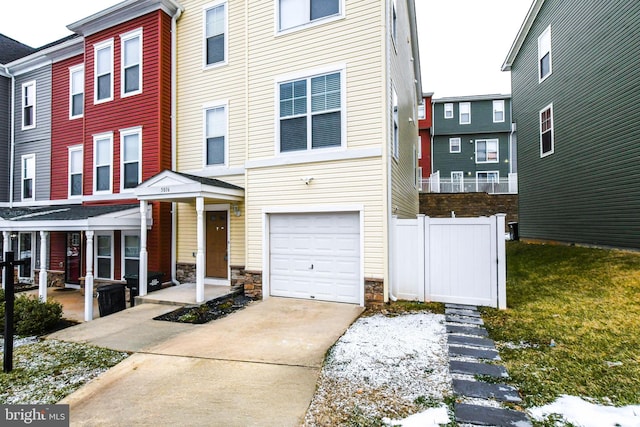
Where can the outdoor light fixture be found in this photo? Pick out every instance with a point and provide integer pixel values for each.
(307, 180)
(236, 210)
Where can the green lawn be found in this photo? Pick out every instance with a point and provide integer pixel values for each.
(573, 323)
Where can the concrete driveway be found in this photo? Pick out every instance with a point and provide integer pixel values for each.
(256, 367)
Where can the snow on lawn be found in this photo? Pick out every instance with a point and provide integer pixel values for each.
(581, 413)
(383, 367)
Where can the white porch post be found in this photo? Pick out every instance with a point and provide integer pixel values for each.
(42, 288)
(200, 253)
(6, 247)
(142, 273)
(88, 280)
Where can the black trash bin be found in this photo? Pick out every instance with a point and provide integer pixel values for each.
(110, 299)
(154, 282)
(513, 231)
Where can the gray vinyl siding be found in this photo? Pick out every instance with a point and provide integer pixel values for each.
(588, 190)
(446, 162)
(37, 140)
(5, 133)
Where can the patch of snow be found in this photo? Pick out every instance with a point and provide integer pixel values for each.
(432, 417)
(579, 412)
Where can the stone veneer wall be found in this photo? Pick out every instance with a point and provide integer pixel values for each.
(373, 292)
(54, 278)
(185, 272)
(440, 205)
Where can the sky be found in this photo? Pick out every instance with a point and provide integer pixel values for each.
(463, 43)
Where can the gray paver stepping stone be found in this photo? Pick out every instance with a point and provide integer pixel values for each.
(485, 416)
(477, 368)
(501, 392)
(467, 330)
(471, 341)
(461, 312)
(478, 353)
(461, 306)
(454, 318)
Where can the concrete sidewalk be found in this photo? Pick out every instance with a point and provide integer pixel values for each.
(255, 367)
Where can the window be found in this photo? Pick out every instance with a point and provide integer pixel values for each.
(310, 113)
(215, 42)
(454, 145)
(130, 252)
(415, 167)
(29, 105)
(131, 62)
(76, 91)
(28, 176)
(104, 255)
(102, 161)
(448, 110)
(457, 182)
(465, 113)
(75, 171)
(394, 22)
(103, 82)
(487, 181)
(544, 54)
(419, 145)
(486, 151)
(215, 135)
(294, 13)
(546, 131)
(422, 111)
(130, 148)
(396, 127)
(498, 111)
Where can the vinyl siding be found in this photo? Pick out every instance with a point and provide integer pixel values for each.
(465, 161)
(481, 117)
(5, 136)
(586, 191)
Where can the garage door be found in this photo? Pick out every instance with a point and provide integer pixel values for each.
(315, 256)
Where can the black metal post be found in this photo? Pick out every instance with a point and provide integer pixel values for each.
(9, 297)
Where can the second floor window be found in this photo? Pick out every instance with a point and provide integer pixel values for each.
(215, 37)
(486, 151)
(103, 158)
(76, 91)
(546, 131)
(465, 113)
(498, 111)
(310, 113)
(448, 110)
(454, 145)
(75, 171)
(103, 71)
(130, 156)
(29, 105)
(294, 13)
(28, 176)
(422, 113)
(131, 63)
(544, 54)
(216, 131)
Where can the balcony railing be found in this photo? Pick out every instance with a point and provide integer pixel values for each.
(435, 184)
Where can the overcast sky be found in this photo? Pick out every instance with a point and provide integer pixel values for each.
(463, 43)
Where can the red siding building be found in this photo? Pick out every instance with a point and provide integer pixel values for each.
(424, 125)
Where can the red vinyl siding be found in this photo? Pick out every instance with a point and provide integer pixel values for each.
(424, 127)
(58, 250)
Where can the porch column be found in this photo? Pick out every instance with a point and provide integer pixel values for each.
(200, 253)
(6, 247)
(88, 280)
(142, 273)
(42, 289)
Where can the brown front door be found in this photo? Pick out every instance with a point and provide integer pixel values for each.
(217, 259)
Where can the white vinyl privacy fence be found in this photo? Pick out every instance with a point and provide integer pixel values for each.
(454, 260)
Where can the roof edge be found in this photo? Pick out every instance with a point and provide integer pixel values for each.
(522, 34)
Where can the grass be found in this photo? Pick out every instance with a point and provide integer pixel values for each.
(572, 323)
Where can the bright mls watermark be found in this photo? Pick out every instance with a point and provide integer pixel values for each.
(34, 415)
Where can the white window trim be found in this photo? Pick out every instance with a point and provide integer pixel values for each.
(33, 178)
(486, 141)
(553, 143)
(126, 132)
(394, 25)
(35, 103)
(124, 38)
(72, 71)
(395, 124)
(448, 108)
(419, 144)
(497, 173)
(95, 256)
(96, 48)
(422, 111)
(415, 168)
(122, 250)
(205, 8)
(209, 106)
(460, 113)
(498, 102)
(341, 15)
(309, 153)
(451, 141)
(108, 135)
(453, 181)
(70, 150)
(541, 54)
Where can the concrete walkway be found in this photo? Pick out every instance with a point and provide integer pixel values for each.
(255, 367)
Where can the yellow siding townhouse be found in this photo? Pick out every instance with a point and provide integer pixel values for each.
(295, 143)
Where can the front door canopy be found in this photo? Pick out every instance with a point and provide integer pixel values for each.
(173, 186)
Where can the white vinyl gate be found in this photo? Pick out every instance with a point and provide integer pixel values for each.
(454, 260)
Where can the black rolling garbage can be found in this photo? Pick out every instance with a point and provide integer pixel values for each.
(110, 299)
(154, 283)
(513, 231)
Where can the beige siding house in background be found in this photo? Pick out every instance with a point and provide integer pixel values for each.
(295, 144)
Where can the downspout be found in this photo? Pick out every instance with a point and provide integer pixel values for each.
(12, 136)
(387, 150)
(174, 91)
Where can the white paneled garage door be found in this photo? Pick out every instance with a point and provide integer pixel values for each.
(315, 256)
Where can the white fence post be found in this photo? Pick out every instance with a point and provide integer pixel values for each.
(422, 261)
(502, 261)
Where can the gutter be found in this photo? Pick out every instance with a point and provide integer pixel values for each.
(387, 150)
(12, 137)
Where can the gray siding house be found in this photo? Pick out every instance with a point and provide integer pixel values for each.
(473, 145)
(574, 76)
